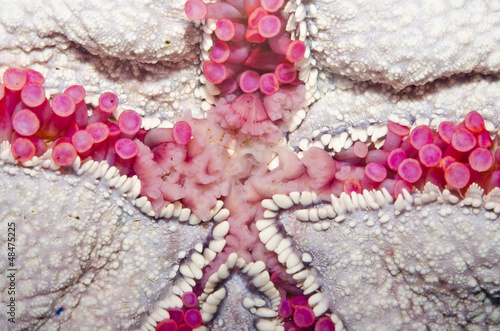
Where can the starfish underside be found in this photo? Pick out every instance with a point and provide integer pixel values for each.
(87, 258)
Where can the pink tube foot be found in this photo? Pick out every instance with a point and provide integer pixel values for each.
(430, 155)
(253, 36)
(189, 299)
(445, 131)
(395, 157)
(358, 151)
(167, 324)
(457, 175)
(463, 140)
(196, 9)
(395, 135)
(181, 132)
(269, 26)
(220, 52)
(447, 161)
(420, 136)
(255, 17)
(228, 86)
(123, 155)
(40, 146)
(216, 73)
(474, 122)
(23, 149)
(492, 181)
(484, 139)
(303, 317)
(177, 314)
(220, 10)
(271, 5)
(33, 95)
(324, 324)
(481, 159)
(375, 172)
(410, 170)
(5, 124)
(388, 184)
(399, 186)
(238, 4)
(64, 154)
(239, 53)
(192, 317)
(249, 81)
(268, 83)
(33, 76)
(82, 141)
(251, 5)
(263, 60)
(377, 155)
(227, 30)
(285, 308)
(129, 122)
(300, 300)
(285, 72)
(78, 93)
(63, 105)
(25, 122)
(158, 136)
(295, 51)
(126, 148)
(14, 79)
(108, 102)
(99, 131)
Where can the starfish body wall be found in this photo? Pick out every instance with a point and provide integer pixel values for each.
(435, 266)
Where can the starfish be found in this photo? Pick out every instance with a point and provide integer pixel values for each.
(91, 254)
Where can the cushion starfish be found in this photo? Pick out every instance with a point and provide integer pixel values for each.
(90, 255)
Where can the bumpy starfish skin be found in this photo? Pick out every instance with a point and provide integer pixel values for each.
(429, 268)
(439, 271)
(131, 30)
(148, 60)
(403, 42)
(348, 104)
(87, 250)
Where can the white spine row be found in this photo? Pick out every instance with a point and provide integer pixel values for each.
(191, 270)
(321, 217)
(130, 187)
(373, 134)
(295, 263)
(259, 277)
(274, 241)
(376, 200)
(299, 25)
(206, 91)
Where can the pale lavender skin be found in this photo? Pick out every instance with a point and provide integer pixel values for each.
(445, 263)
